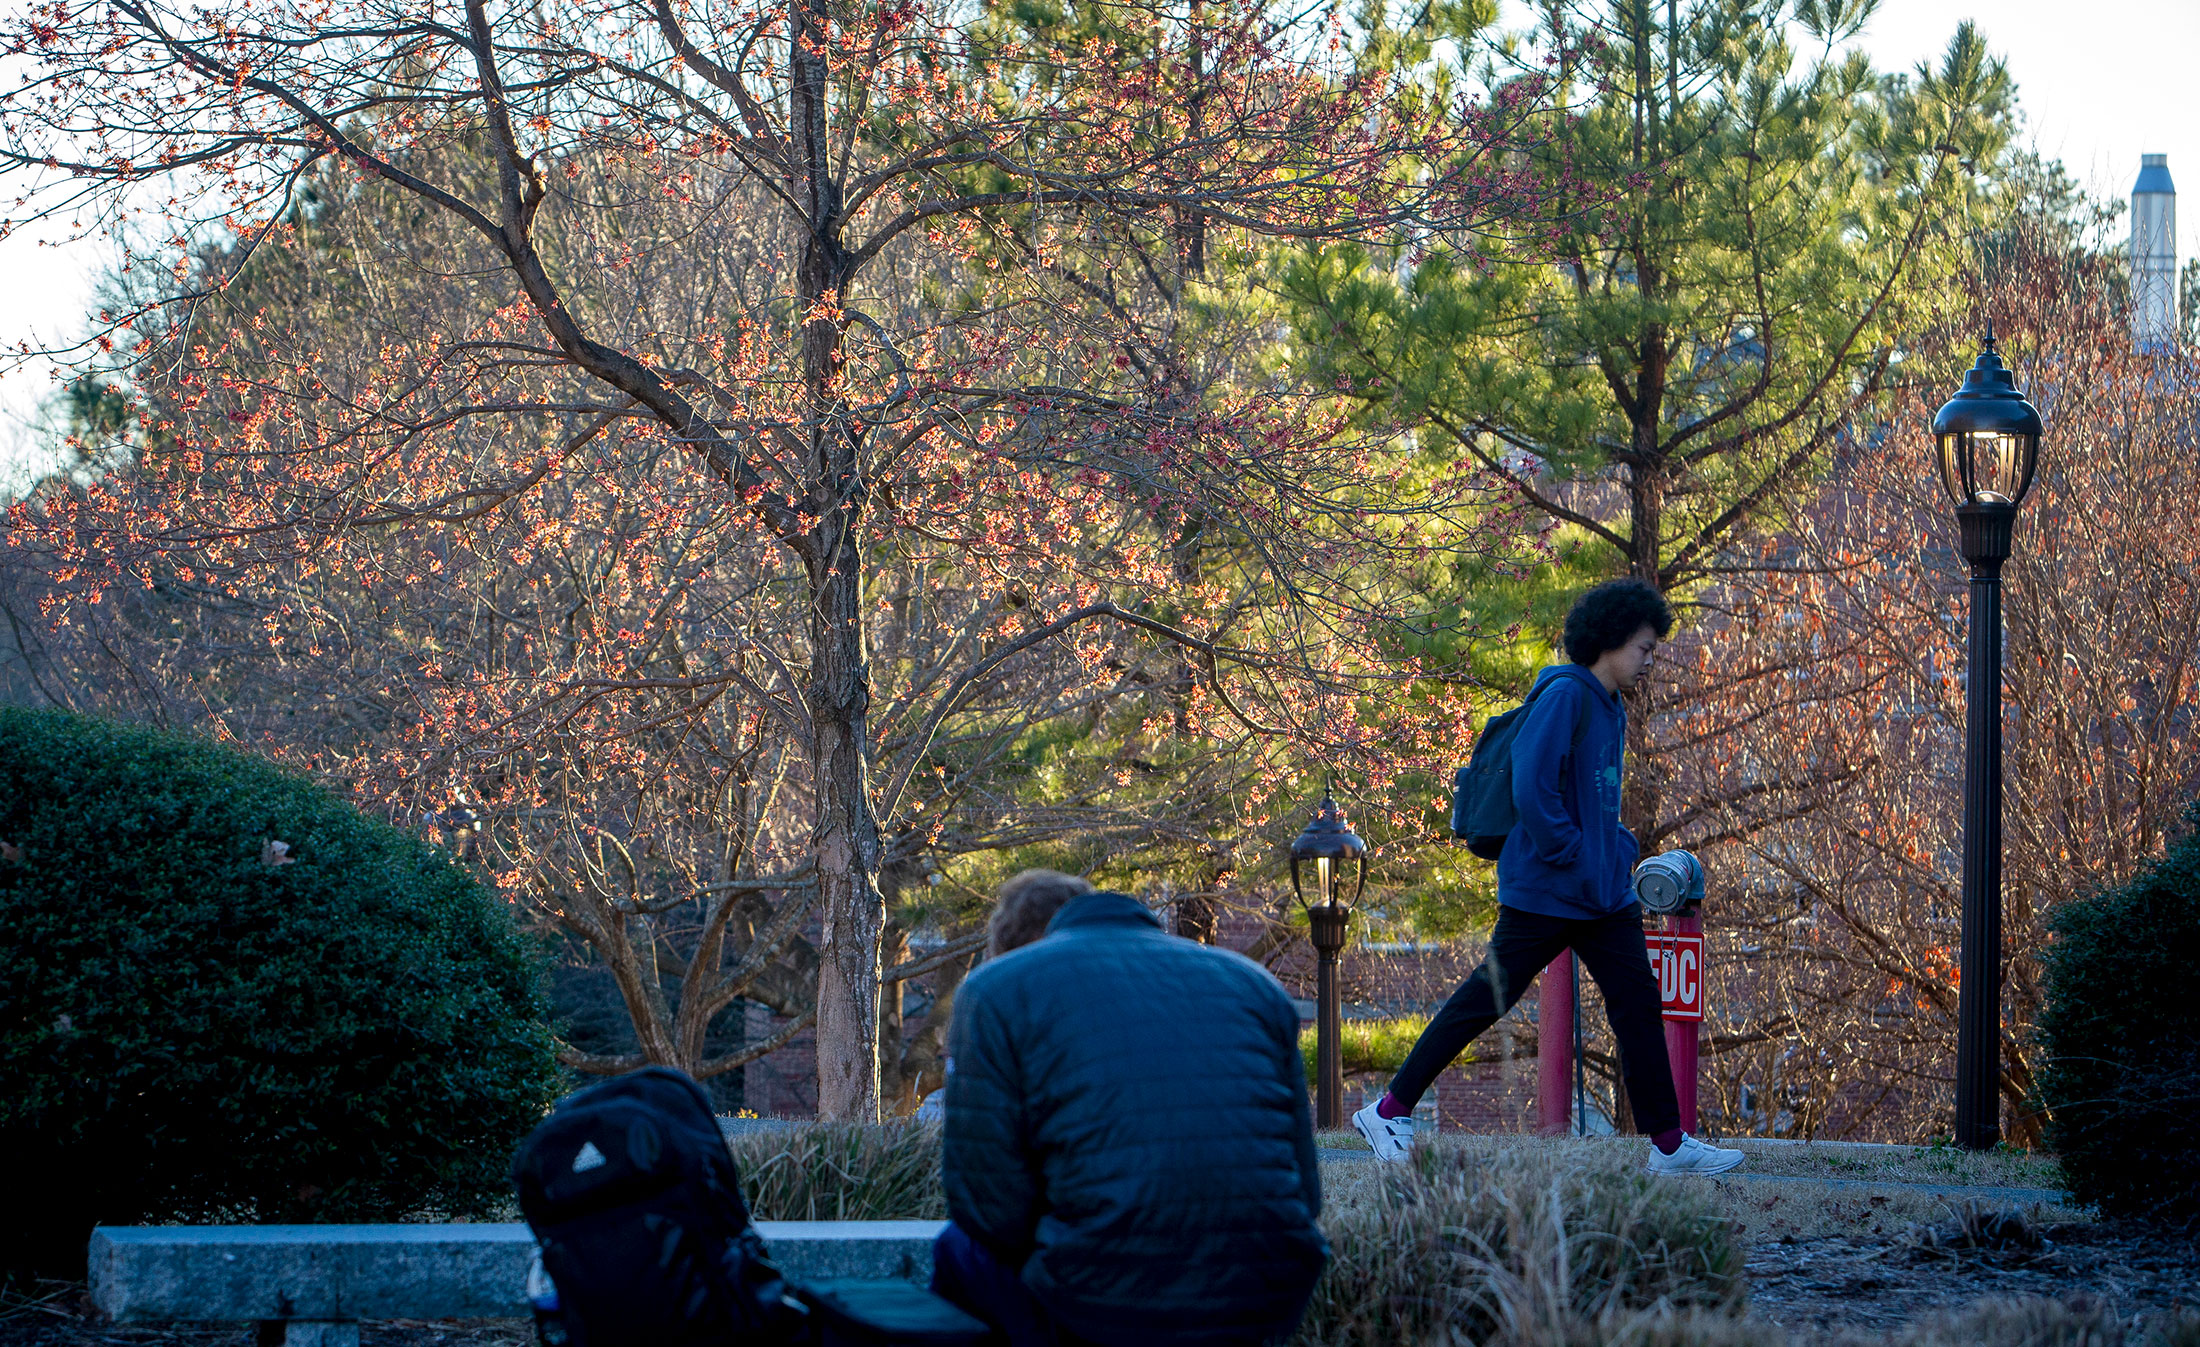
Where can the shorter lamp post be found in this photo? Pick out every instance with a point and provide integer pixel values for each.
(1330, 855)
(1988, 441)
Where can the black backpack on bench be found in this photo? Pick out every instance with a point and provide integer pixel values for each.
(637, 1206)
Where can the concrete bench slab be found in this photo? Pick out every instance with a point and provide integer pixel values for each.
(339, 1274)
(729, 1128)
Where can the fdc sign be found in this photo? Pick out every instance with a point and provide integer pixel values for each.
(1677, 962)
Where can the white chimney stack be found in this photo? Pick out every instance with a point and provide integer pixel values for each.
(2154, 254)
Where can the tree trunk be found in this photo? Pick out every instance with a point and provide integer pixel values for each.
(1199, 915)
(1643, 784)
(914, 1064)
(1197, 918)
(846, 834)
(633, 971)
(895, 1089)
(1642, 791)
(847, 848)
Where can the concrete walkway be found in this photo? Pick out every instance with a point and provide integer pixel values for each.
(2018, 1196)
(2015, 1196)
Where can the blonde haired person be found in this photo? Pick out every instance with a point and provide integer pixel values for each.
(1024, 906)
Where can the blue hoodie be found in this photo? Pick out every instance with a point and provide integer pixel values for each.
(1568, 856)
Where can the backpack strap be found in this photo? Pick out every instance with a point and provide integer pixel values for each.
(1581, 720)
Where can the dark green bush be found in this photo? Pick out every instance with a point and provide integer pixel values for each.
(2121, 1034)
(191, 1029)
(1366, 1047)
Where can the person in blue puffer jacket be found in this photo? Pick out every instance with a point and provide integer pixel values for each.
(1563, 883)
(1128, 1146)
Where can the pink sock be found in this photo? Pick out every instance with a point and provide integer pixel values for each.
(1668, 1141)
(1387, 1107)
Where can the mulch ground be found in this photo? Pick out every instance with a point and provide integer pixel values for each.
(1877, 1283)
(1838, 1284)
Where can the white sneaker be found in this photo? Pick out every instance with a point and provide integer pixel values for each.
(1692, 1157)
(1391, 1138)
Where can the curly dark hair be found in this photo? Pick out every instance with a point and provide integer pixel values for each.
(1608, 616)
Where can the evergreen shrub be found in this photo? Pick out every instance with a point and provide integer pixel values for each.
(1367, 1047)
(2121, 1037)
(196, 1024)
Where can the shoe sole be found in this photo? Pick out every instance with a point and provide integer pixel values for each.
(1361, 1128)
(1735, 1163)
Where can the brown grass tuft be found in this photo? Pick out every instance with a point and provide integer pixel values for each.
(1519, 1245)
(842, 1172)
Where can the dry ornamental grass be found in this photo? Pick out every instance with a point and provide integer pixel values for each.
(842, 1172)
(1516, 1244)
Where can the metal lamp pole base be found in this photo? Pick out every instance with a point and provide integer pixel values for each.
(1326, 924)
(1986, 530)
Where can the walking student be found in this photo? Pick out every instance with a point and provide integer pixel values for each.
(1563, 883)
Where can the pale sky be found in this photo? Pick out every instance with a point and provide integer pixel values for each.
(2100, 82)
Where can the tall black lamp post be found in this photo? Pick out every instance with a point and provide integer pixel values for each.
(1989, 441)
(1330, 856)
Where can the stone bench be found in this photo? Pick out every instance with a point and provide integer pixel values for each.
(310, 1285)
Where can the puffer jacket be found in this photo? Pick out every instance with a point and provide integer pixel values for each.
(1127, 1122)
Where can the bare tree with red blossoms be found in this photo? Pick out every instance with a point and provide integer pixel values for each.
(779, 395)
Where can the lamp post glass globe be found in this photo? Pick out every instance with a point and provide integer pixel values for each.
(1329, 853)
(1987, 439)
(1988, 436)
(1983, 468)
(1332, 856)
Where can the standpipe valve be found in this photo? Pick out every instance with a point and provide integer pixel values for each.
(1668, 883)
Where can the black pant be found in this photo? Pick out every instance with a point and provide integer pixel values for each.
(966, 1273)
(1612, 948)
